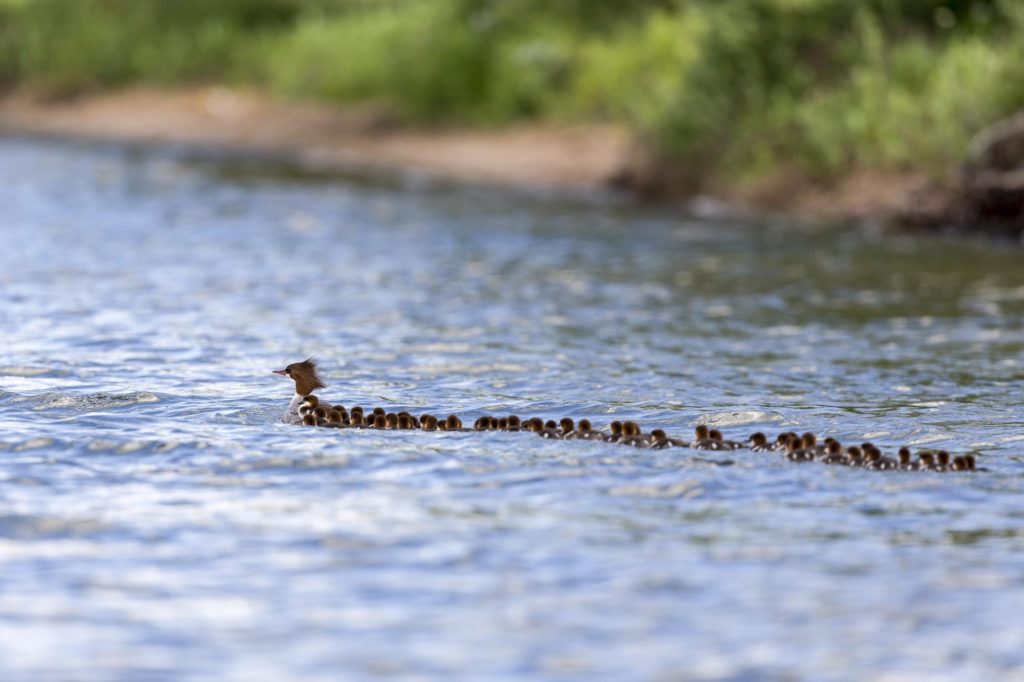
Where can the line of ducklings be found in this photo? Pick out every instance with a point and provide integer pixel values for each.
(796, 448)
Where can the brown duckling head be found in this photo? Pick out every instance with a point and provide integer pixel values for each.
(429, 422)
(453, 422)
(391, 420)
(715, 434)
(357, 409)
(502, 424)
(356, 419)
(971, 463)
(659, 435)
(334, 417)
(305, 376)
(904, 455)
(808, 440)
(942, 458)
(567, 424)
(319, 412)
(309, 420)
(380, 421)
(536, 424)
(585, 425)
(927, 459)
(405, 422)
(855, 452)
(630, 428)
(379, 410)
(550, 424)
(702, 432)
(834, 448)
(514, 422)
(757, 438)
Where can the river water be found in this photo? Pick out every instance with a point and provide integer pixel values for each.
(158, 520)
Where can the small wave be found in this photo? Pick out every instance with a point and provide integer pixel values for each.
(94, 401)
(741, 418)
(14, 371)
(684, 489)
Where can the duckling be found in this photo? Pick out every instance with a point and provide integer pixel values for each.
(391, 420)
(972, 464)
(334, 419)
(549, 430)
(854, 456)
(428, 422)
(874, 459)
(309, 420)
(568, 427)
(482, 423)
(782, 439)
(705, 440)
(380, 421)
(661, 441)
(905, 462)
(319, 412)
(355, 420)
(809, 442)
(759, 442)
(834, 454)
(724, 444)
(615, 434)
(453, 423)
(925, 460)
(405, 422)
(513, 423)
(632, 435)
(959, 463)
(942, 461)
(379, 410)
(585, 431)
(796, 452)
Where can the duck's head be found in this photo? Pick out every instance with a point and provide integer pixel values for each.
(453, 422)
(380, 421)
(585, 425)
(379, 410)
(631, 429)
(309, 420)
(514, 422)
(405, 421)
(391, 420)
(616, 427)
(970, 462)
(305, 376)
(927, 459)
(904, 455)
(659, 435)
(567, 425)
(757, 439)
(808, 440)
(943, 458)
(702, 432)
(715, 434)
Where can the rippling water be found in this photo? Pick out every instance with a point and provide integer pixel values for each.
(157, 521)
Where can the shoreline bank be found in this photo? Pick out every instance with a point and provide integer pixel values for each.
(574, 160)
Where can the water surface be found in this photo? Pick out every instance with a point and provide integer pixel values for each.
(158, 521)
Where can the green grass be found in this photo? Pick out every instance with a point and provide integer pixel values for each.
(733, 88)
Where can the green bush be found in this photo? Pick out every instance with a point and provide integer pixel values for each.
(729, 87)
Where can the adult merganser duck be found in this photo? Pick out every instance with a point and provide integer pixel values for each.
(306, 381)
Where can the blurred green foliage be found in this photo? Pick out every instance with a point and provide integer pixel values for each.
(734, 87)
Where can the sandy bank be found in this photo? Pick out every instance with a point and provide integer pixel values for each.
(549, 158)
